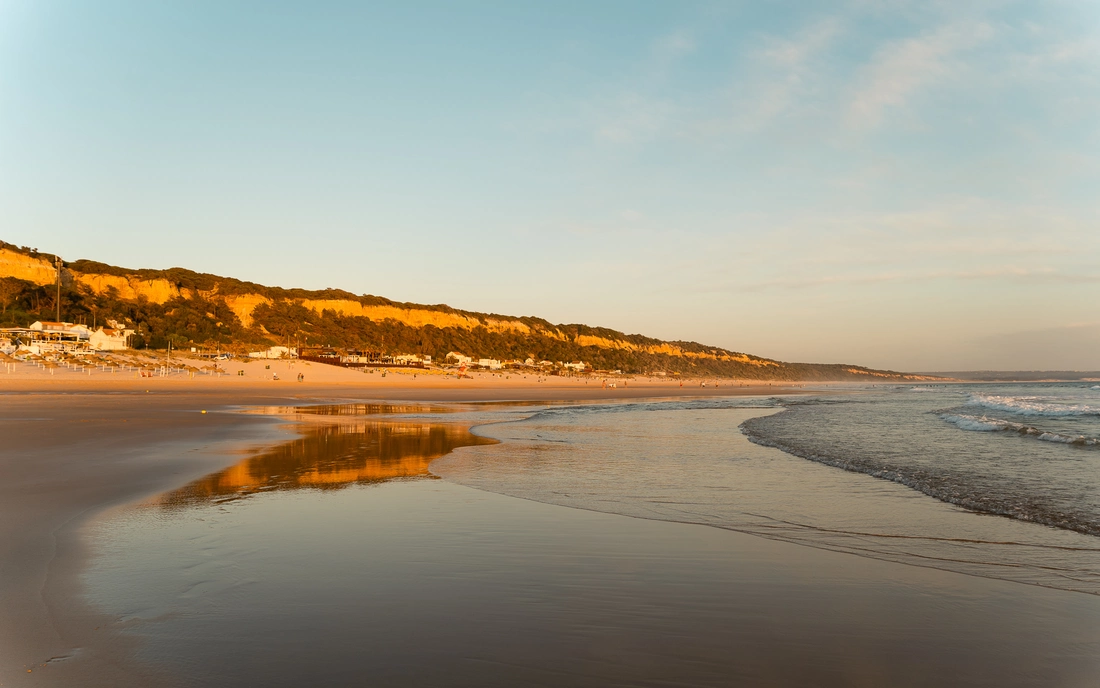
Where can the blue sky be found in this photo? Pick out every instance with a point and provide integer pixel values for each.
(904, 185)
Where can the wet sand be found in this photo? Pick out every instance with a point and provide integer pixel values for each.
(73, 445)
(461, 587)
(428, 583)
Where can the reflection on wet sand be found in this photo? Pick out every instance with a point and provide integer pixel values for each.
(331, 457)
(378, 409)
(303, 413)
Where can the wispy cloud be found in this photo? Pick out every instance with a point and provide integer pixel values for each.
(630, 118)
(1011, 273)
(783, 74)
(798, 50)
(903, 68)
(673, 46)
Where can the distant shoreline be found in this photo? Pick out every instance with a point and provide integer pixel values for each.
(1021, 375)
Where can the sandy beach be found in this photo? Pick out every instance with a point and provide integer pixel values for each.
(260, 378)
(631, 601)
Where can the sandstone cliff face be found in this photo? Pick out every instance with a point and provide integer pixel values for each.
(159, 291)
(131, 288)
(242, 306)
(29, 268)
(668, 350)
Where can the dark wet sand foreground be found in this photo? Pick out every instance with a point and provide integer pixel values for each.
(71, 448)
(333, 557)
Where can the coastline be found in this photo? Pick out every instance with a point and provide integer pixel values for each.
(110, 445)
(321, 380)
(78, 445)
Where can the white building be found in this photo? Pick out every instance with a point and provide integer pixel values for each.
(109, 339)
(275, 352)
(46, 335)
(66, 330)
(490, 363)
(412, 359)
(459, 358)
(578, 366)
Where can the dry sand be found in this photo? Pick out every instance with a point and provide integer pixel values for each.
(407, 383)
(74, 443)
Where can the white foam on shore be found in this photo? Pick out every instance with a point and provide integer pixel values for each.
(984, 424)
(1031, 406)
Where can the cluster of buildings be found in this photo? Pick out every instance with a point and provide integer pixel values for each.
(351, 358)
(46, 336)
(275, 352)
(493, 364)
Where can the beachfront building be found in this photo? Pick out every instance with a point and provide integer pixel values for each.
(44, 336)
(275, 352)
(110, 339)
(490, 363)
(578, 366)
(459, 358)
(412, 359)
(67, 330)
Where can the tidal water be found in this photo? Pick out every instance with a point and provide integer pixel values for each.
(359, 554)
(997, 481)
(1028, 452)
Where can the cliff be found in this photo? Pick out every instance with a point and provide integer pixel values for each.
(187, 307)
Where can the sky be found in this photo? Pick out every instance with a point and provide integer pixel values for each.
(903, 185)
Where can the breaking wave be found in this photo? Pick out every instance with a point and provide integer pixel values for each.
(944, 484)
(984, 424)
(1031, 406)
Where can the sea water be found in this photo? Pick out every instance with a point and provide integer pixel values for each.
(1000, 481)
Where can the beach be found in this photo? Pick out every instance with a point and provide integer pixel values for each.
(75, 444)
(131, 549)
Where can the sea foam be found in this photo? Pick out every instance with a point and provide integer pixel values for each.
(984, 424)
(1031, 406)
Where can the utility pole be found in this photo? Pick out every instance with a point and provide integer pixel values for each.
(57, 260)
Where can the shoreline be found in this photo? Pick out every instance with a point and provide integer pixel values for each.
(96, 453)
(642, 598)
(111, 445)
(77, 448)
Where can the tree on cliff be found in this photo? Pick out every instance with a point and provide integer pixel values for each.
(10, 290)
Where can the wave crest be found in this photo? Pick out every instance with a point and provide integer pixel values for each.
(1031, 406)
(984, 424)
